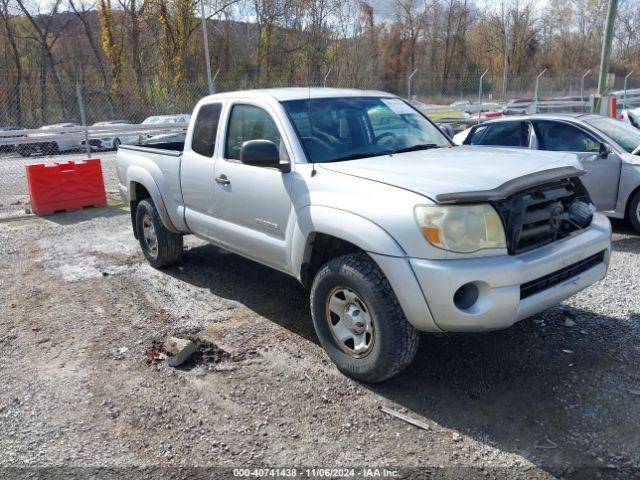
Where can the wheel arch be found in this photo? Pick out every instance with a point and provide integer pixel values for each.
(324, 233)
(630, 197)
(140, 186)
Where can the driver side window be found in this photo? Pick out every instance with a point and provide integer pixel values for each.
(562, 137)
(248, 122)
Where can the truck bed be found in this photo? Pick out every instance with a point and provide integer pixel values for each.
(171, 148)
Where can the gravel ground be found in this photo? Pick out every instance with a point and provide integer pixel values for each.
(555, 395)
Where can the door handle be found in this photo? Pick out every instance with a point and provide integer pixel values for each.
(223, 180)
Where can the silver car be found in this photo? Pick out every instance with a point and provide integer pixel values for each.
(608, 150)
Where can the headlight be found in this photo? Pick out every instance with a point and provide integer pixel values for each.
(461, 228)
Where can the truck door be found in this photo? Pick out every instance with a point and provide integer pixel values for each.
(197, 172)
(603, 174)
(253, 204)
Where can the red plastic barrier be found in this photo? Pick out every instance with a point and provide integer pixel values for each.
(65, 186)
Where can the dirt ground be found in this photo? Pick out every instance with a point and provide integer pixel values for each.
(555, 395)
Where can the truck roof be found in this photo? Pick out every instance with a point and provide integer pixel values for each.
(300, 93)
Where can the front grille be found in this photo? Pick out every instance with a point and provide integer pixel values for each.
(544, 214)
(538, 285)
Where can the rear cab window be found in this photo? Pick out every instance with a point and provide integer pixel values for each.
(205, 129)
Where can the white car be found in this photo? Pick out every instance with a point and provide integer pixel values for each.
(144, 138)
(460, 137)
(631, 116)
(111, 142)
(53, 142)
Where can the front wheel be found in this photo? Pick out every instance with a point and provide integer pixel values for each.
(160, 246)
(359, 321)
(116, 144)
(634, 211)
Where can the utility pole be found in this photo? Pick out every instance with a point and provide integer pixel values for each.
(206, 48)
(605, 56)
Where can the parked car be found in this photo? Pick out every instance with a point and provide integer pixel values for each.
(607, 149)
(475, 107)
(111, 142)
(4, 134)
(62, 142)
(391, 229)
(631, 116)
(169, 134)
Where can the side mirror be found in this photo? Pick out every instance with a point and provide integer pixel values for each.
(605, 150)
(262, 153)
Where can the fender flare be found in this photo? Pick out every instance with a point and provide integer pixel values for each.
(348, 226)
(139, 175)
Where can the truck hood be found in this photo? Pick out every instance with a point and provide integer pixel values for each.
(444, 174)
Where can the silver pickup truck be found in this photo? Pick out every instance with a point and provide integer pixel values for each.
(370, 206)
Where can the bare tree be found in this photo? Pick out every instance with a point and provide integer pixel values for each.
(5, 16)
(46, 37)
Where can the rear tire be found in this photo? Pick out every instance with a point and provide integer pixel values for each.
(634, 211)
(160, 246)
(116, 144)
(354, 285)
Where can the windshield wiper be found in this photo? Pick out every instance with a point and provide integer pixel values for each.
(415, 148)
(356, 156)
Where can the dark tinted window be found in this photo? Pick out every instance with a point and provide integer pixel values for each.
(562, 137)
(205, 129)
(249, 123)
(508, 134)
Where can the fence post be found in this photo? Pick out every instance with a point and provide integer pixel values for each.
(480, 94)
(409, 84)
(624, 97)
(582, 86)
(324, 82)
(535, 94)
(83, 119)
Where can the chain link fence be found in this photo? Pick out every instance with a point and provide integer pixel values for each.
(458, 99)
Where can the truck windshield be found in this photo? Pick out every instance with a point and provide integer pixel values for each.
(348, 128)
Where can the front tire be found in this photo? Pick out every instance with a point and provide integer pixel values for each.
(116, 145)
(634, 211)
(160, 246)
(359, 321)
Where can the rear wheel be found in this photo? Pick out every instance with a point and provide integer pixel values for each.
(116, 144)
(160, 246)
(359, 321)
(634, 211)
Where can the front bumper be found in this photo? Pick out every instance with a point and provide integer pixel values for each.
(499, 280)
(98, 144)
